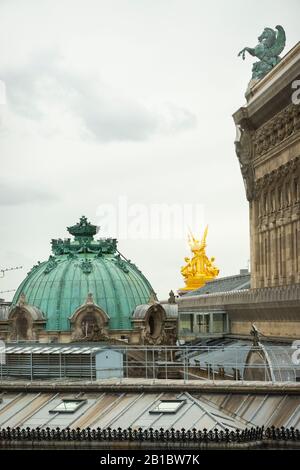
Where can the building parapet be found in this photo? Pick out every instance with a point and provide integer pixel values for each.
(149, 385)
(243, 296)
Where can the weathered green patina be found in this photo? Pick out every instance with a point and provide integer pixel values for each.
(79, 267)
(270, 45)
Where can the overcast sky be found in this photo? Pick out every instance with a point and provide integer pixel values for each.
(129, 99)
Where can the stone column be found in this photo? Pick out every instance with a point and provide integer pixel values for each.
(297, 249)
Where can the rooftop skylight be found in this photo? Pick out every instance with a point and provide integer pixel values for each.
(68, 406)
(168, 406)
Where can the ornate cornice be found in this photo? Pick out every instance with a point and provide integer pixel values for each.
(277, 176)
(279, 128)
(255, 145)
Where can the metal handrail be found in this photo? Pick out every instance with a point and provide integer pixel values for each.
(153, 362)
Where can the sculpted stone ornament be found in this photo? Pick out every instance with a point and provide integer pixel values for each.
(171, 335)
(255, 335)
(152, 299)
(171, 299)
(89, 322)
(22, 300)
(270, 44)
(97, 334)
(147, 338)
(90, 299)
(244, 152)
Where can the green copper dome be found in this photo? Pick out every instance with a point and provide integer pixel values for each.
(80, 267)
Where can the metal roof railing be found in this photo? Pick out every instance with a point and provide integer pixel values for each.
(237, 361)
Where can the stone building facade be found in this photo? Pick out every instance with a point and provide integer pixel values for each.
(268, 149)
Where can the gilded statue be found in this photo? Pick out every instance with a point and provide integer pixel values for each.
(199, 268)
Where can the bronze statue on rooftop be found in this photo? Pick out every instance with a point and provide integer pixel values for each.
(271, 44)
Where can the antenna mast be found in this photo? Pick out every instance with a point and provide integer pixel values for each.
(4, 270)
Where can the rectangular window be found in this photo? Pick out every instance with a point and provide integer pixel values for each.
(68, 406)
(219, 322)
(186, 322)
(203, 323)
(168, 406)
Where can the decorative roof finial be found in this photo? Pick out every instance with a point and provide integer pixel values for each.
(171, 299)
(22, 300)
(255, 335)
(90, 299)
(83, 229)
(152, 299)
(83, 242)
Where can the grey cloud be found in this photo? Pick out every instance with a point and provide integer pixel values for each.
(178, 119)
(109, 118)
(16, 194)
(104, 115)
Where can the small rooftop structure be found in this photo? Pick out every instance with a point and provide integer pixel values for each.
(224, 284)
